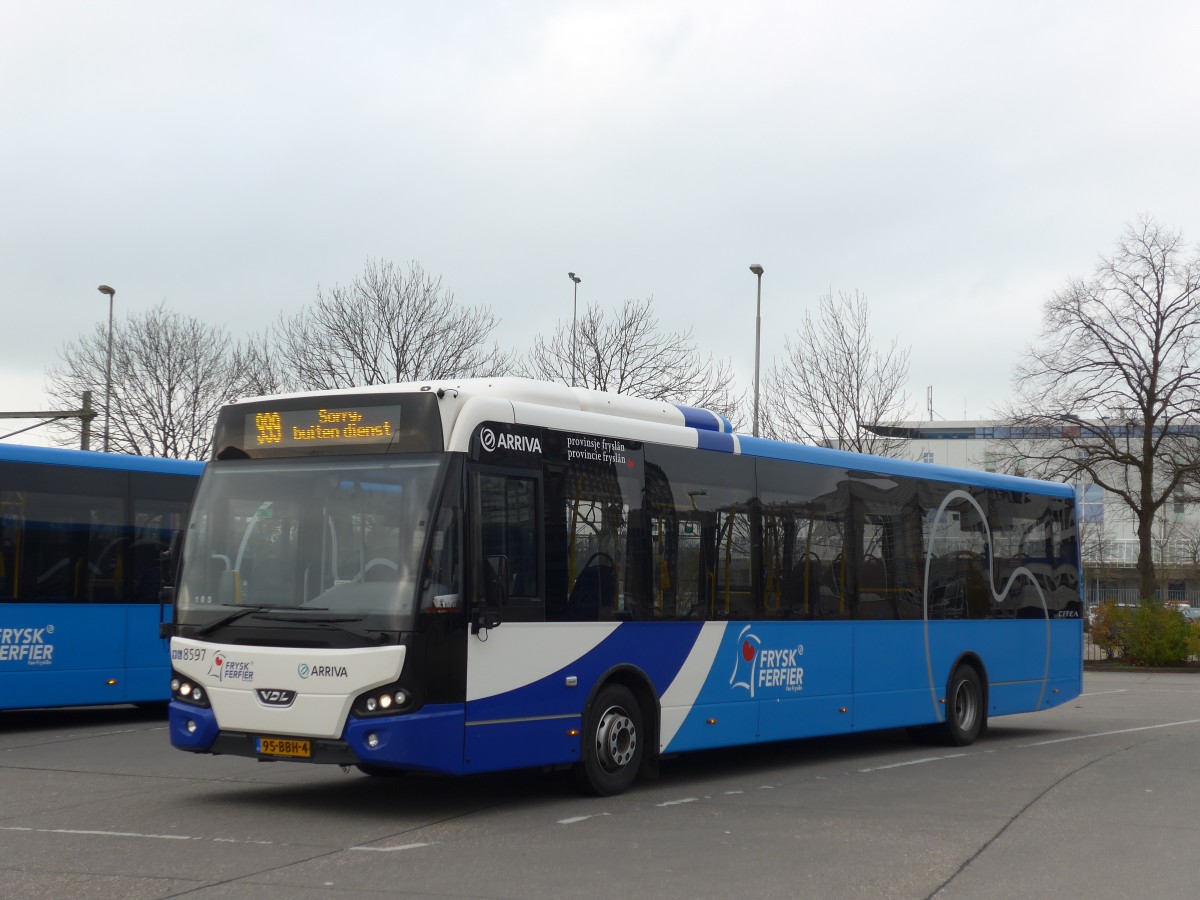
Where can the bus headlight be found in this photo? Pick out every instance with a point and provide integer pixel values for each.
(187, 691)
(387, 700)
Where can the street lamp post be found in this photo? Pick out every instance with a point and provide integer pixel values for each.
(757, 270)
(574, 318)
(105, 289)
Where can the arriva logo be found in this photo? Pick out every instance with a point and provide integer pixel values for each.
(304, 670)
(504, 441)
(756, 668)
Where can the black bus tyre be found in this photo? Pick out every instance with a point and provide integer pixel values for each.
(613, 743)
(965, 710)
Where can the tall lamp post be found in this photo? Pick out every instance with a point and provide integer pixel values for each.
(757, 270)
(105, 289)
(574, 318)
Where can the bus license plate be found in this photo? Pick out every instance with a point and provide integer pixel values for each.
(290, 747)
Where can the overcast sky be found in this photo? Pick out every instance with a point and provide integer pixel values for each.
(955, 162)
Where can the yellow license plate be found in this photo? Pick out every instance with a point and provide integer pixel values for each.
(291, 747)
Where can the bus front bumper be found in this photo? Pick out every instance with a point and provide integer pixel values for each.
(430, 740)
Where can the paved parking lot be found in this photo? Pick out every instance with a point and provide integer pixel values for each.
(1099, 797)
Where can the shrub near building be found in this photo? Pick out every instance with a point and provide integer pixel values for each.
(1149, 634)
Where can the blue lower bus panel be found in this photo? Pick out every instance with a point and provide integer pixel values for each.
(58, 654)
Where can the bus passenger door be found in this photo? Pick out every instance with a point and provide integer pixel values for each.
(505, 512)
(508, 695)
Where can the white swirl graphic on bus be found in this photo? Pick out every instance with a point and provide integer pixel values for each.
(999, 597)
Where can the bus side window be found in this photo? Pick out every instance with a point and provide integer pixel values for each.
(440, 581)
(506, 515)
(8, 559)
(595, 589)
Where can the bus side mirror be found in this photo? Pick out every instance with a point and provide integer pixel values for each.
(485, 619)
(495, 594)
(168, 568)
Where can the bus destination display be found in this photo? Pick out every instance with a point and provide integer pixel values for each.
(321, 427)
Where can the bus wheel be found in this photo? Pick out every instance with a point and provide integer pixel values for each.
(965, 713)
(612, 743)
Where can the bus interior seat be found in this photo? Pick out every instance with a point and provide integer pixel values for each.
(53, 573)
(828, 605)
(595, 589)
(872, 575)
(873, 606)
(802, 588)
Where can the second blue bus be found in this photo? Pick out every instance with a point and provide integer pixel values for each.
(81, 542)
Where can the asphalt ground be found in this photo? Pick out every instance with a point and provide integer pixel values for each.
(1098, 798)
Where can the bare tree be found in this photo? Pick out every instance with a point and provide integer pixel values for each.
(1113, 388)
(388, 325)
(1188, 544)
(629, 353)
(262, 371)
(1095, 542)
(834, 387)
(170, 375)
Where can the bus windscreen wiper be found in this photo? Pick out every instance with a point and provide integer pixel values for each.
(337, 622)
(240, 613)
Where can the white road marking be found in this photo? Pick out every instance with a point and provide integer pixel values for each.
(129, 834)
(1062, 740)
(677, 802)
(394, 849)
(1082, 737)
(914, 762)
(575, 819)
(185, 837)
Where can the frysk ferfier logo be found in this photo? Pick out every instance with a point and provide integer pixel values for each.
(225, 669)
(758, 668)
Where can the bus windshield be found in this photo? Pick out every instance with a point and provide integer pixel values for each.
(307, 541)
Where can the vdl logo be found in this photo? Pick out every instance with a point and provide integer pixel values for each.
(273, 697)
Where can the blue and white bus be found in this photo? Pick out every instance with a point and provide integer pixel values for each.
(472, 576)
(81, 540)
